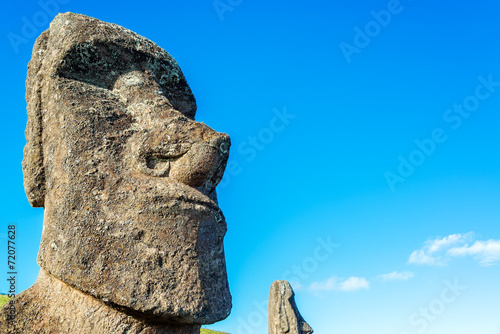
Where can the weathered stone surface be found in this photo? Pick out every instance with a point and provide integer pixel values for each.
(52, 306)
(126, 175)
(284, 317)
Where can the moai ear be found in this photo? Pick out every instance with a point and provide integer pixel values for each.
(33, 164)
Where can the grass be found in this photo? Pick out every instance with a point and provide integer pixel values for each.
(3, 299)
(207, 331)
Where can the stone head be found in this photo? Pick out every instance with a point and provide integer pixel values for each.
(126, 175)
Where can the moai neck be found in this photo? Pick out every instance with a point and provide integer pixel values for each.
(68, 310)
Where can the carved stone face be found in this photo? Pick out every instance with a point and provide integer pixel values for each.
(126, 176)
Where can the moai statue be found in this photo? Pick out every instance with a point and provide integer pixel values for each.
(132, 236)
(284, 317)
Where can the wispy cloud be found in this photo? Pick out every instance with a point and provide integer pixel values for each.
(434, 250)
(336, 284)
(397, 276)
(439, 251)
(354, 284)
(296, 286)
(436, 245)
(486, 252)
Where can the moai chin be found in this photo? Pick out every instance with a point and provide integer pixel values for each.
(133, 235)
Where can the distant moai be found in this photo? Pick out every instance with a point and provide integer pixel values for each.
(284, 316)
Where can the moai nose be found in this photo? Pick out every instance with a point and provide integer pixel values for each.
(198, 163)
(179, 148)
(204, 163)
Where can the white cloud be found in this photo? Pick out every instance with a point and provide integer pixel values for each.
(432, 252)
(354, 284)
(397, 276)
(336, 284)
(443, 243)
(439, 251)
(328, 285)
(296, 286)
(422, 257)
(486, 252)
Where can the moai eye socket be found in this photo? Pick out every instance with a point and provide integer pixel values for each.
(102, 64)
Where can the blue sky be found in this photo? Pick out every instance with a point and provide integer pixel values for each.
(364, 166)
